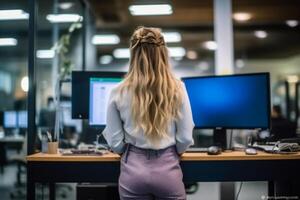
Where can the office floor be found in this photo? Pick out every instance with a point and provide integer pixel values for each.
(250, 190)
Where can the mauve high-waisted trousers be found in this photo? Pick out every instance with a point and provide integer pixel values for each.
(151, 174)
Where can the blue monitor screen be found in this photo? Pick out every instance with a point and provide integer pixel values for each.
(10, 119)
(236, 101)
(22, 119)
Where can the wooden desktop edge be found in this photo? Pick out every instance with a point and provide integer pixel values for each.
(226, 156)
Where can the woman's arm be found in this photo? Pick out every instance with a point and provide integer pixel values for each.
(184, 125)
(114, 132)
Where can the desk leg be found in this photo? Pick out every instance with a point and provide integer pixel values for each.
(271, 189)
(52, 191)
(227, 190)
(30, 186)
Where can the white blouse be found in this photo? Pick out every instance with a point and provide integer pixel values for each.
(119, 128)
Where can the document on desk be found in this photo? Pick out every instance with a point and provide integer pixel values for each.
(265, 147)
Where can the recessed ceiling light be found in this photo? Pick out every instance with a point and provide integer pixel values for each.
(63, 18)
(191, 54)
(45, 53)
(121, 53)
(65, 5)
(171, 37)
(105, 39)
(105, 59)
(8, 42)
(16, 14)
(292, 23)
(260, 34)
(241, 16)
(151, 9)
(176, 51)
(210, 45)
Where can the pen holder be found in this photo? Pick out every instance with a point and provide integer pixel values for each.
(52, 147)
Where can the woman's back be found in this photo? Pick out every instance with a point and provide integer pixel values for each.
(149, 122)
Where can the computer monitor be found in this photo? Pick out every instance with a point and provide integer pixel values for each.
(100, 89)
(10, 119)
(239, 101)
(22, 119)
(80, 90)
(234, 101)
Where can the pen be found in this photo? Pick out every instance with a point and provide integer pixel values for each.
(49, 136)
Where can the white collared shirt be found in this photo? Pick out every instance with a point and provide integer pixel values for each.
(120, 130)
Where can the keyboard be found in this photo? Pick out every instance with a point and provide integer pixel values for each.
(197, 149)
(76, 152)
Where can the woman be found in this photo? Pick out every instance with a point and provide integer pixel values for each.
(149, 122)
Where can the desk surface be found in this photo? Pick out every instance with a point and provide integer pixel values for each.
(235, 155)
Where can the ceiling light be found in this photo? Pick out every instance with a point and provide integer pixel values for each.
(171, 37)
(121, 53)
(8, 42)
(292, 23)
(13, 14)
(260, 34)
(241, 16)
(176, 51)
(105, 59)
(192, 55)
(105, 39)
(154, 9)
(210, 45)
(65, 5)
(24, 83)
(292, 78)
(45, 53)
(63, 18)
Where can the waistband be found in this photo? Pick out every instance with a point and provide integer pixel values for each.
(147, 152)
(130, 147)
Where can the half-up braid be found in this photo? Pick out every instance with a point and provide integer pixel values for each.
(156, 93)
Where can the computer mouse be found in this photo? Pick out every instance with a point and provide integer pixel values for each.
(250, 151)
(214, 150)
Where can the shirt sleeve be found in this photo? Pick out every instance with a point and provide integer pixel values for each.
(184, 125)
(114, 132)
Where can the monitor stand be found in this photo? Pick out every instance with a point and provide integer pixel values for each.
(219, 138)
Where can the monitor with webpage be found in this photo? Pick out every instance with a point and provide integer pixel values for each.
(100, 89)
(81, 88)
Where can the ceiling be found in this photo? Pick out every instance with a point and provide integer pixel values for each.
(194, 20)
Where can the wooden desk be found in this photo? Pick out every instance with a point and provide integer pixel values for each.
(196, 167)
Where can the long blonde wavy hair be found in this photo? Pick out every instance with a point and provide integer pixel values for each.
(156, 93)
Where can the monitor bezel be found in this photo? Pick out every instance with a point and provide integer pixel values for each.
(267, 74)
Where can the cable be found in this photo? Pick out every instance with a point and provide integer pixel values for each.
(238, 193)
